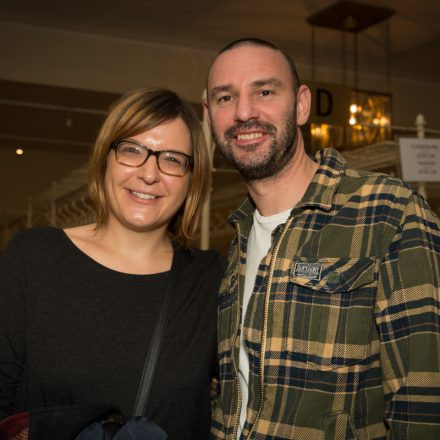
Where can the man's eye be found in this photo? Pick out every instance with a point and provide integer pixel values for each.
(225, 98)
(266, 92)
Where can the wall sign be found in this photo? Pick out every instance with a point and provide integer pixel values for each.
(420, 159)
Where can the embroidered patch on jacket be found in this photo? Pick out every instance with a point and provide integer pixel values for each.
(311, 271)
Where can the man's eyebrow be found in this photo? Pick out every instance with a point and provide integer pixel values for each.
(268, 82)
(220, 89)
(275, 82)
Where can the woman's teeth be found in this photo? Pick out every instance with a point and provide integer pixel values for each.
(142, 195)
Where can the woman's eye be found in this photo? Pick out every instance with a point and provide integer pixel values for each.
(170, 158)
(129, 149)
(173, 158)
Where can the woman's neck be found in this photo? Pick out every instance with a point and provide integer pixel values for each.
(119, 248)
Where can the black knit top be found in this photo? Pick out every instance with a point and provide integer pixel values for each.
(75, 332)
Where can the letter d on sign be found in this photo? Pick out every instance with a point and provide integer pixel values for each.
(324, 102)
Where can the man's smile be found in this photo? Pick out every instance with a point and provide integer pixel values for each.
(249, 136)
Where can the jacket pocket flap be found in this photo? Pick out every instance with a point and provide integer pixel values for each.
(333, 275)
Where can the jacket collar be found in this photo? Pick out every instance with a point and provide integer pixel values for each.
(320, 192)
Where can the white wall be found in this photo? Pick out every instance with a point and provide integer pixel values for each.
(62, 58)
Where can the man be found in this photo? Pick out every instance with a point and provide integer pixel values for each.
(329, 310)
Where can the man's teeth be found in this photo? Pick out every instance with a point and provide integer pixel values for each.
(247, 136)
(142, 195)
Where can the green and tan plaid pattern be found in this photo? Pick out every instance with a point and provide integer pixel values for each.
(343, 327)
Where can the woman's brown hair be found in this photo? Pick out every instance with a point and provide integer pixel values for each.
(139, 111)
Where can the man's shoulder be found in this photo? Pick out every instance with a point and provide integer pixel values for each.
(356, 173)
(373, 183)
(353, 184)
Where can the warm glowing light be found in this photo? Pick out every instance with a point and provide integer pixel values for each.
(376, 121)
(19, 151)
(352, 120)
(353, 108)
(316, 130)
(383, 121)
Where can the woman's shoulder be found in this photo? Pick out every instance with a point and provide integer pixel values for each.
(205, 259)
(35, 245)
(201, 272)
(35, 236)
(209, 254)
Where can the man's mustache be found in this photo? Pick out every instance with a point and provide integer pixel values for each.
(252, 124)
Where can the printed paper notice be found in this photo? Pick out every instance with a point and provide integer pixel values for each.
(420, 159)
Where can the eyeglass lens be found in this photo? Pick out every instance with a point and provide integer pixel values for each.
(134, 155)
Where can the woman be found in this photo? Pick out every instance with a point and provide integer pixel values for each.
(78, 306)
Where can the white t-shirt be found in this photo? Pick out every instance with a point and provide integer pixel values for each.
(259, 241)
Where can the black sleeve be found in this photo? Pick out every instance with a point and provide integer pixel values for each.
(12, 325)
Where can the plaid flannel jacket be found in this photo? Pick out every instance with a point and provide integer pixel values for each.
(342, 329)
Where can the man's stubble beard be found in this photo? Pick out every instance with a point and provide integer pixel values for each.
(271, 163)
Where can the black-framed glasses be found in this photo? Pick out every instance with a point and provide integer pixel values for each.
(134, 154)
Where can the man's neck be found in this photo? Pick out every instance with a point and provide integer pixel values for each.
(287, 188)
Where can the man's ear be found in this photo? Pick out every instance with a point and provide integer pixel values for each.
(206, 116)
(303, 103)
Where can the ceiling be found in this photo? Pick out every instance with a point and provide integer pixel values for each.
(209, 24)
(192, 24)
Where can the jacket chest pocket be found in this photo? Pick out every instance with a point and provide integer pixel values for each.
(334, 300)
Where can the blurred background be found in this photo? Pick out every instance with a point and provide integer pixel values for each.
(373, 67)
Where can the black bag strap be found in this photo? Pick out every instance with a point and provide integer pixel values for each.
(153, 352)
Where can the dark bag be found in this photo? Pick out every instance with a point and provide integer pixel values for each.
(78, 423)
(60, 423)
(137, 428)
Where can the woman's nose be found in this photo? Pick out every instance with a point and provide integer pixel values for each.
(149, 171)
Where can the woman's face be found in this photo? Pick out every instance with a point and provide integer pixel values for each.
(144, 198)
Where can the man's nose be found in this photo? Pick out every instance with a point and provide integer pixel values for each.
(245, 109)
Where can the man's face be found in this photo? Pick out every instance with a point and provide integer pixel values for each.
(252, 110)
